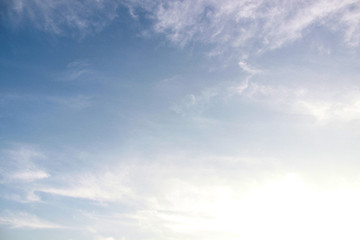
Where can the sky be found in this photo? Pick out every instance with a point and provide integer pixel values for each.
(179, 120)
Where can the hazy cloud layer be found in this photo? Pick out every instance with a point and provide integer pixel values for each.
(250, 26)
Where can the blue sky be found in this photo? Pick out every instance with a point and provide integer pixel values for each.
(141, 120)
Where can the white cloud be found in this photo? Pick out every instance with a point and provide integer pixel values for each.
(351, 20)
(336, 110)
(21, 171)
(103, 238)
(26, 220)
(25, 154)
(29, 175)
(249, 69)
(342, 105)
(129, 182)
(20, 164)
(103, 187)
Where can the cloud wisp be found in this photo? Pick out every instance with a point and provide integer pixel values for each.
(21, 164)
(22, 171)
(26, 221)
(99, 187)
(61, 17)
(340, 105)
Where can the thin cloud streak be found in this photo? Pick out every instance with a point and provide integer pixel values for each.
(29, 175)
(26, 221)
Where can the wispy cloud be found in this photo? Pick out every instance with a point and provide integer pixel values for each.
(195, 104)
(28, 196)
(60, 17)
(103, 187)
(123, 181)
(178, 196)
(79, 70)
(21, 170)
(249, 69)
(29, 175)
(253, 25)
(26, 220)
(19, 164)
(341, 105)
(343, 110)
(324, 106)
(350, 20)
(132, 169)
(160, 198)
(250, 26)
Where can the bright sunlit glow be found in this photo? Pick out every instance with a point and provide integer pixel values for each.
(287, 208)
